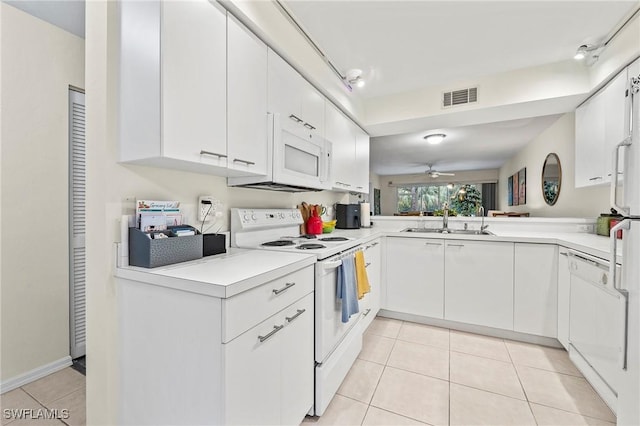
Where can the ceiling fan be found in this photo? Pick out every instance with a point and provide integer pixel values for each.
(434, 173)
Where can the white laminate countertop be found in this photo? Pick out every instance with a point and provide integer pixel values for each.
(222, 275)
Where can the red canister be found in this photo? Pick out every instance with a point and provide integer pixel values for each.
(613, 223)
(314, 224)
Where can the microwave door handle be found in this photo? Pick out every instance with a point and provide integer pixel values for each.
(613, 238)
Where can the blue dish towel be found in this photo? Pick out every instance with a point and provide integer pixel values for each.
(346, 288)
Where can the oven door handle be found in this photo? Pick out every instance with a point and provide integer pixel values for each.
(332, 264)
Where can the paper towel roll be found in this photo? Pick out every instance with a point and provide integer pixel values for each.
(365, 215)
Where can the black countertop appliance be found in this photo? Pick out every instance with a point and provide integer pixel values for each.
(348, 216)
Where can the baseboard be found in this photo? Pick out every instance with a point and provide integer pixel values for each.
(35, 374)
(471, 328)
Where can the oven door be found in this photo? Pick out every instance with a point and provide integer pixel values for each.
(300, 157)
(330, 330)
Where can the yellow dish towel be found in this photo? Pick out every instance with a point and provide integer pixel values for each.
(361, 275)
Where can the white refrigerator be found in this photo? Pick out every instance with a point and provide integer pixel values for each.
(626, 201)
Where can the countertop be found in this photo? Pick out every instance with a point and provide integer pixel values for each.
(222, 275)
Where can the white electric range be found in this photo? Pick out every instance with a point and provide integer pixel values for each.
(337, 344)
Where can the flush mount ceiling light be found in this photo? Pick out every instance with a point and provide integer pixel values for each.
(354, 78)
(435, 138)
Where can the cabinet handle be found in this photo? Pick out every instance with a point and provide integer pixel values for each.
(564, 254)
(294, 118)
(596, 178)
(276, 328)
(287, 286)
(360, 187)
(214, 154)
(248, 163)
(309, 126)
(366, 313)
(455, 245)
(435, 244)
(367, 265)
(375, 244)
(342, 183)
(300, 312)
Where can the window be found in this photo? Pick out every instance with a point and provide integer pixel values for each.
(463, 198)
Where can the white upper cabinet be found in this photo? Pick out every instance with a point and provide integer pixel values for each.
(173, 85)
(291, 96)
(600, 126)
(247, 100)
(350, 145)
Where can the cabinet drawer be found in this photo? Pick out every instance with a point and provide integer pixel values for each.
(243, 311)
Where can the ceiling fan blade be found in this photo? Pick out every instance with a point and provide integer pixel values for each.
(446, 174)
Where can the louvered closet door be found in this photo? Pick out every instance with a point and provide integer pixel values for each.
(77, 259)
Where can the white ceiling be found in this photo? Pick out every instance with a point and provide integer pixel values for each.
(405, 46)
(66, 14)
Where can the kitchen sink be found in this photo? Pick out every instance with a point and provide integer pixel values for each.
(447, 231)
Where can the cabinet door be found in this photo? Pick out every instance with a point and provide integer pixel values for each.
(361, 178)
(415, 276)
(297, 362)
(479, 283)
(193, 81)
(284, 88)
(339, 131)
(614, 99)
(312, 109)
(536, 291)
(590, 148)
(370, 304)
(564, 281)
(253, 375)
(247, 101)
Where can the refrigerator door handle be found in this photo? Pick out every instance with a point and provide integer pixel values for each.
(623, 210)
(625, 224)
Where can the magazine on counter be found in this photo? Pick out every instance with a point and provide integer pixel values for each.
(157, 215)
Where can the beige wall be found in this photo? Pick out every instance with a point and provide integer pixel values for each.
(390, 183)
(39, 62)
(572, 202)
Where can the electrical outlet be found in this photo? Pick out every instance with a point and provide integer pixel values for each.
(207, 207)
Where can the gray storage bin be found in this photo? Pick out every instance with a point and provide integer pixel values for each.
(149, 253)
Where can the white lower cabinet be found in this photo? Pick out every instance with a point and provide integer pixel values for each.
(415, 276)
(536, 289)
(189, 358)
(370, 303)
(269, 369)
(564, 299)
(479, 283)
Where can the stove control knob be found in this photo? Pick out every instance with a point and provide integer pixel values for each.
(254, 217)
(246, 217)
(281, 215)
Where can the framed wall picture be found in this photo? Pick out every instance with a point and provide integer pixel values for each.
(510, 191)
(522, 186)
(515, 190)
(376, 201)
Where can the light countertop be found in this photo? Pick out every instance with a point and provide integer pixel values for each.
(222, 275)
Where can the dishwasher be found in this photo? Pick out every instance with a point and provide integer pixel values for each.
(597, 323)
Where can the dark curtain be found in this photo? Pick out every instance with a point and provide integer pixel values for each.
(489, 196)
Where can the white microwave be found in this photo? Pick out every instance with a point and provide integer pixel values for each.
(300, 159)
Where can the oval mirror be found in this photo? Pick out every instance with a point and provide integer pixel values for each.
(551, 179)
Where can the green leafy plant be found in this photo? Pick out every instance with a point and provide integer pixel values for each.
(466, 201)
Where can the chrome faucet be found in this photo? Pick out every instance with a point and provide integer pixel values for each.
(445, 216)
(481, 213)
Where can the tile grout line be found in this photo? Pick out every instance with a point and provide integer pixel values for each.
(521, 385)
(572, 412)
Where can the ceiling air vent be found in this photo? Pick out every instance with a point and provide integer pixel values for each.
(459, 97)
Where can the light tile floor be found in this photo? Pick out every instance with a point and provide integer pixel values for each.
(411, 374)
(408, 374)
(61, 395)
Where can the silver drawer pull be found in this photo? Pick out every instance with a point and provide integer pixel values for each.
(375, 244)
(366, 313)
(367, 265)
(248, 163)
(300, 312)
(214, 154)
(455, 245)
(436, 244)
(360, 187)
(564, 254)
(287, 286)
(276, 328)
(309, 126)
(595, 178)
(294, 118)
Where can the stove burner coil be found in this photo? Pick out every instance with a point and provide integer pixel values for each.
(278, 243)
(310, 246)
